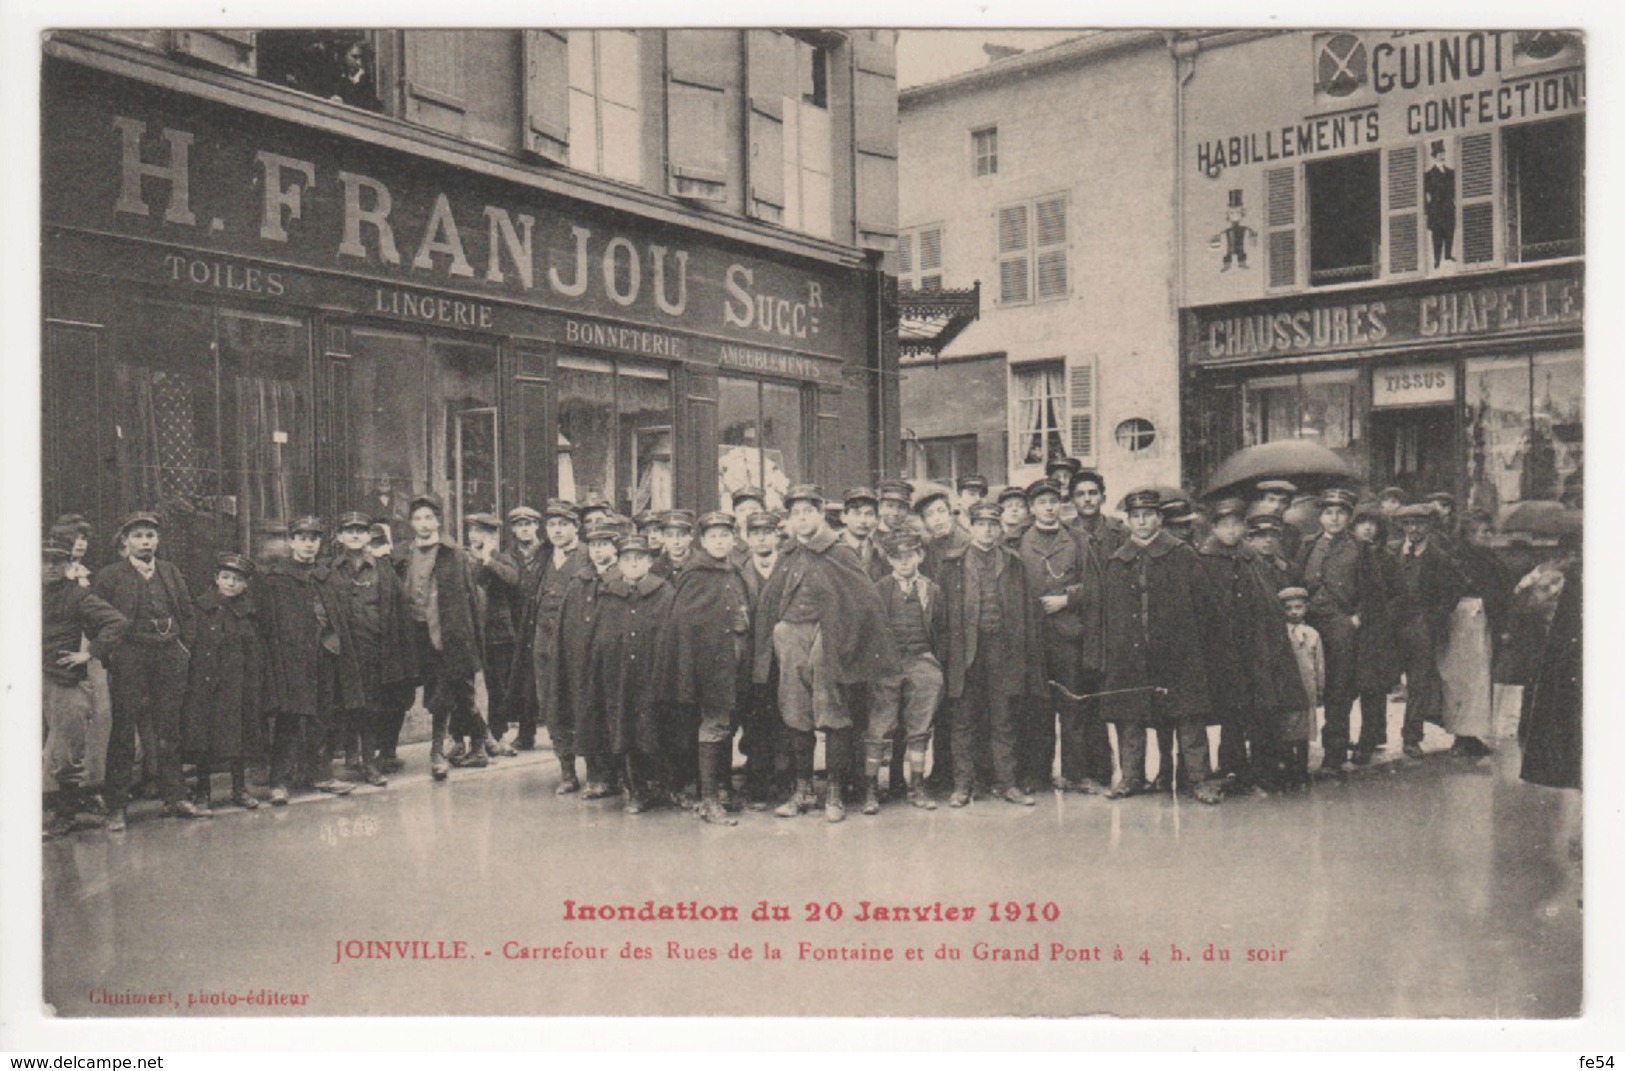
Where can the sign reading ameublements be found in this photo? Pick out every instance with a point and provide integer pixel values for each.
(1413, 384)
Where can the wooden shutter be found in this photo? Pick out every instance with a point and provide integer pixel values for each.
(1281, 225)
(547, 95)
(230, 49)
(1080, 405)
(1015, 283)
(1049, 233)
(905, 261)
(874, 91)
(433, 82)
(1404, 193)
(767, 66)
(1475, 156)
(931, 258)
(699, 70)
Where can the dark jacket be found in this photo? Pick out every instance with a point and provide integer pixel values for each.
(543, 616)
(1485, 577)
(1251, 667)
(1427, 587)
(501, 600)
(870, 557)
(624, 648)
(225, 694)
(1158, 605)
(371, 675)
(1553, 751)
(292, 605)
(935, 609)
(938, 549)
(1108, 533)
(1022, 673)
(70, 613)
(120, 586)
(1067, 562)
(704, 653)
(578, 623)
(849, 610)
(1375, 644)
(462, 626)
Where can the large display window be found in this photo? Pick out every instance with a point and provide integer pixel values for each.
(1524, 423)
(760, 440)
(615, 435)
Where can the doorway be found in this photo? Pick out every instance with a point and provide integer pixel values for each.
(1415, 449)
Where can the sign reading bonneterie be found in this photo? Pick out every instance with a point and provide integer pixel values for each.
(149, 166)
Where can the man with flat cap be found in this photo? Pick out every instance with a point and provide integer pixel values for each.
(1064, 572)
(762, 734)
(564, 560)
(147, 672)
(527, 557)
(935, 510)
(896, 499)
(1425, 587)
(378, 659)
(860, 515)
(821, 617)
(1339, 577)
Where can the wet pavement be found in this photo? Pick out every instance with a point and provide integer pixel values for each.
(1433, 887)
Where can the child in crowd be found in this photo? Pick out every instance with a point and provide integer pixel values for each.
(918, 616)
(633, 606)
(226, 693)
(1298, 727)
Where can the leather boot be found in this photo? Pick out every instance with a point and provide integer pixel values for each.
(917, 795)
(567, 776)
(834, 805)
(438, 766)
(871, 796)
(801, 800)
(712, 764)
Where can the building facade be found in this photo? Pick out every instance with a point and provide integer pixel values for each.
(1383, 251)
(290, 272)
(1049, 178)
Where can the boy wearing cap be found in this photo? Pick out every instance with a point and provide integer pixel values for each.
(896, 497)
(226, 693)
(1015, 515)
(972, 489)
(376, 651)
(1064, 572)
(907, 704)
(1298, 726)
(447, 630)
(995, 655)
(633, 607)
(563, 562)
(935, 510)
(821, 618)
(679, 545)
(860, 517)
(761, 737)
(1264, 540)
(528, 558)
(705, 663)
(1060, 471)
(1158, 612)
(71, 614)
(1338, 576)
(147, 671)
(497, 585)
(578, 620)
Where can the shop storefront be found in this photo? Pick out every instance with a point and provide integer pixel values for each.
(1473, 386)
(247, 320)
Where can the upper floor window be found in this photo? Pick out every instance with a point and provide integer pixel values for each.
(340, 65)
(1032, 251)
(808, 148)
(1545, 178)
(985, 150)
(1345, 218)
(919, 258)
(605, 129)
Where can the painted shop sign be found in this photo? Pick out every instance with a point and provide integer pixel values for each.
(1386, 317)
(1413, 384)
(149, 166)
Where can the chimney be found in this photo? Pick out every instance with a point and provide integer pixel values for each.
(995, 53)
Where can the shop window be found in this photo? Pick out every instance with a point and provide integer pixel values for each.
(615, 433)
(1524, 429)
(1038, 402)
(605, 103)
(760, 440)
(984, 147)
(1345, 218)
(1545, 176)
(1032, 251)
(1321, 407)
(947, 459)
(339, 65)
(919, 255)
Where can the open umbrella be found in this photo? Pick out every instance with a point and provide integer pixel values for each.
(1310, 465)
(1542, 517)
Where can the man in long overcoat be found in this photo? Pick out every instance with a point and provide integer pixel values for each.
(1158, 606)
(578, 623)
(634, 606)
(528, 558)
(1425, 589)
(225, 695)
(1339, 578)
(146, 674)
(995, 654)
(566, 560)
(821, 617)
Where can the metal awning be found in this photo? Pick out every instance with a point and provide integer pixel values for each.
(927, 320)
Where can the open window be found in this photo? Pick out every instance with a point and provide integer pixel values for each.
(1545, 175)
(338, 65)
(1345, 218)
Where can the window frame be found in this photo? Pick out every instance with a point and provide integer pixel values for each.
(911, 272)
(1059, 405)
(1032, 252)
(1374, 265)
(598, 102)
(990, 157)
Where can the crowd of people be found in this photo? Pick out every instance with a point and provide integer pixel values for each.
(947, 643)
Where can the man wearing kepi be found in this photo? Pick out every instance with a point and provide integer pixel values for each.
(822, 617)
(995, 654)
(1338, 575)
(146, 674)
(70, 615)
(446, 629)
(1065, 573)
(1158, 608)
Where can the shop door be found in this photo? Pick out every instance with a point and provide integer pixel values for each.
(1414, 449)
(212, 428)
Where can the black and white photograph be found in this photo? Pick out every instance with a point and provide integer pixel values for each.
(736, 521)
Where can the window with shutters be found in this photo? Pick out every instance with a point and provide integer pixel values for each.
(1404, 209)
(920, 258)
(606, 103)
(1344, 207)
(1479, 243)
(1080, 396)
(1032, 251)
(1281, 226)
(808, 147)
(701, 68)
(985, 151)
(1545, 178)
(434, 71)
(1038, 413)
(339, 65)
